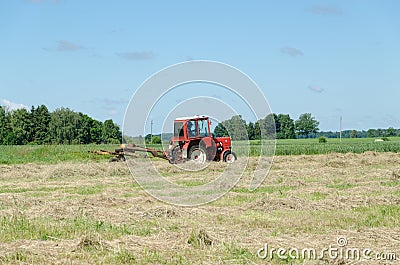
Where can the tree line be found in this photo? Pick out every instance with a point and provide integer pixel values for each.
(281, 126)
(284, 127)
(370, 133)
(62, 126)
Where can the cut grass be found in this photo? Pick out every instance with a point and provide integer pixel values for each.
(190, 183)
(391, 183)
(51, 154)
(86, 190)
(316, 196)
(341, 186)
(378, 216)
(21, 227)
(83, 190)
(97, 214)
(280, 189)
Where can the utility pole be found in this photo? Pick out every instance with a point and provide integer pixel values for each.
(340, 129)
(151, 131)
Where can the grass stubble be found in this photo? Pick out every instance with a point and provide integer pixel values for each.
(95, 213)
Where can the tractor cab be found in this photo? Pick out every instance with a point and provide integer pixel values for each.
(191, 128)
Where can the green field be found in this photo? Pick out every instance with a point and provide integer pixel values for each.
(313, 147)
(348, 145)
(51, 154)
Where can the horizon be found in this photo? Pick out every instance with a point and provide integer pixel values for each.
(16, 106)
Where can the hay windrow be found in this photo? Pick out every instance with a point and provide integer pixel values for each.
(85, 213)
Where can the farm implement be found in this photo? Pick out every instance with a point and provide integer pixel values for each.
(128, 150)
(192, 140)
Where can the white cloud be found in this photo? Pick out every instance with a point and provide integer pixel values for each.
(113, 112)
(12, 105)
(292, 51)
(117, 102)
(64, 45)
(42, 1)
(317, 89)
(325, 11)
(136, 56)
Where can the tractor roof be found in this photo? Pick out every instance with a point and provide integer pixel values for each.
(191, 118)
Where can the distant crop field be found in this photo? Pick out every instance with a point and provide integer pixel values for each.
(60, 153)
(313, 147)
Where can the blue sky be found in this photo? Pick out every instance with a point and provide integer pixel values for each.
(330, 58)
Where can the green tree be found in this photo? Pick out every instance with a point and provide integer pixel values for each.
(96, 130)
(391, 132)
(111, 132)
(306, 124)
(6, 132)
(353, 134)
(21, 123)
(89, 131)
(250, 131)
(3, 124)
(156, 140)
(257, 131)
(220, 130)
(286, 127)
(268, 127)
(83, 135)
(236, 127)
(64, 126)
(371, 133)
(40, 119)
(148, 138)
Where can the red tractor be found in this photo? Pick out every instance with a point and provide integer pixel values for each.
(193, 140)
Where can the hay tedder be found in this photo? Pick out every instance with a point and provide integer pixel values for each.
(128, 150)
(192, 140)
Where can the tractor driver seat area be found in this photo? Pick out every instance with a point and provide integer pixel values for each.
(192, 130)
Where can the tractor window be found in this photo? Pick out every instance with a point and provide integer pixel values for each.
(178, 129)
(203, 128)
(191, 128)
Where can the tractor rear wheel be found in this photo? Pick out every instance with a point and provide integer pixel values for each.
(230, 157)
(197, 154)
(176, 155)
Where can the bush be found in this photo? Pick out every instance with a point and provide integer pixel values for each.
(322, 139)
(156, 140)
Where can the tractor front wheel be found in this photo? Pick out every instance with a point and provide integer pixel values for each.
(230, 157)
(197, 154)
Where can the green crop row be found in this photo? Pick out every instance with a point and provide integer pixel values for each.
(313, 147)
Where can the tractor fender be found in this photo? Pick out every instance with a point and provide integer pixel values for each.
(207, 142)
